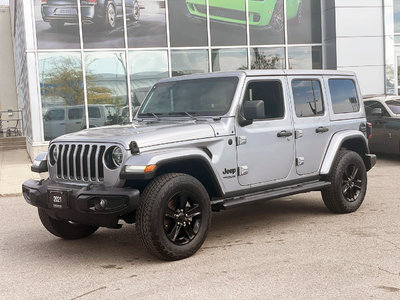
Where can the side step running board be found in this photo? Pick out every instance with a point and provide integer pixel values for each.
(270, 194)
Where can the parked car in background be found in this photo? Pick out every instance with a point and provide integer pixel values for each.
(60, 120)
(261, 13)
(101, 12)
(384, 114)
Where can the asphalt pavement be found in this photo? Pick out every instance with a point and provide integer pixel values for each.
(289, 248)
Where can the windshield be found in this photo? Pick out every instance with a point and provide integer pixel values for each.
(394, 106)
(200, 97)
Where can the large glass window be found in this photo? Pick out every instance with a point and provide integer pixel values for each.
(394, 106)
(227, 22)
(267, 58)
(266, 22)
(203, 97)
(146, 68)
(343, 96)
(146, 23)
(106, 87)
(185, 62)
(57, 24)
(229, 59)
(188, 23)
(103, 23)
(304, 21)
(61, 90)
(306, 57)
(307, 96)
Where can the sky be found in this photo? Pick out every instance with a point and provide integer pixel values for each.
(3, 2)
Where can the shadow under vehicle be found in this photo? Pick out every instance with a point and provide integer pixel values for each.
(100, 12)
(261, 13)
(384, 114)
(59, 120)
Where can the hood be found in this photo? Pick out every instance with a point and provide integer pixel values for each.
(144, 134)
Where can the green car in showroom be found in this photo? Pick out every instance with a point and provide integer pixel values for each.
(262, 13)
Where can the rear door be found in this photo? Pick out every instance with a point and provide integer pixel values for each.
(265, 148)
(379, 140)
(311, 123)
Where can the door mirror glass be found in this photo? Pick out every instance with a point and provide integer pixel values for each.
(377, 112)
(253, 110)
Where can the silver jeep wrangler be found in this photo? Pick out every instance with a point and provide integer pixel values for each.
(208, 142)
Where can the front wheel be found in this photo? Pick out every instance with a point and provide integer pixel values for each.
(111, 17)
(135, 12)
(173, 216)
(64, 229)
(349, 183)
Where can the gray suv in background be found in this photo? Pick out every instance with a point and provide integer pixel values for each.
(105, 13)
(208, 142)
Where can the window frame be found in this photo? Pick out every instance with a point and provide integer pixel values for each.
(323, 98)
(283, 83)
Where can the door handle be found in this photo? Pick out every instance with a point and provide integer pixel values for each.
(321, 129)
(284, 133)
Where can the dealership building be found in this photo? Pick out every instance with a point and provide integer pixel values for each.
(82, 64)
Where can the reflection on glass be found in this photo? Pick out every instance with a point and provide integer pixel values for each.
(343, 96)
(146, 68)
(307, 57)
(106, 87)
(187, 23)
(57, 24)
(146, 25)
(304, 23)
(186, 62)
(267, 22)
(228, 22)
(61, 90)
(229, 59)
(396, 7)
(307, 96)
(103, 25)
(267, 58)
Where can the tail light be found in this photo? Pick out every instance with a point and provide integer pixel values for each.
(92, 1)
(369, 130)
(44, 1)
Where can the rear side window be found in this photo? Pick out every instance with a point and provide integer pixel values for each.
(75, 113)
(94, 112)
(344, 96)
(271, 93)
(307, 96)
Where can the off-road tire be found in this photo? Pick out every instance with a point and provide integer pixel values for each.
(150, 215)
(65, 229)
(333, 196)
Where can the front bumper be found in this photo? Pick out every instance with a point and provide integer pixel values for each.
(83, 202)
(370, 161)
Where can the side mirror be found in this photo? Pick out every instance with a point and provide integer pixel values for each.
(377, 112)
(252, 110)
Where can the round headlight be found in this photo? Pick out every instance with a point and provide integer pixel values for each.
(53, 154)
(117, 156)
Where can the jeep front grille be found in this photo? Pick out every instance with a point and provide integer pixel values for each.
(80, 162)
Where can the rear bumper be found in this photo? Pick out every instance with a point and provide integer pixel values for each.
(83, 202)
(69, 14)
(370, 161)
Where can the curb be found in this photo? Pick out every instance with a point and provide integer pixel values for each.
(10, 195)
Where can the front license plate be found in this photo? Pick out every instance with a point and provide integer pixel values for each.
(65, 11)
(58, 199)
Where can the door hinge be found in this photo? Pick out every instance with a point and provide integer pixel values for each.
(241, 140)
(243, 170)
(299, 161)
(298, 134)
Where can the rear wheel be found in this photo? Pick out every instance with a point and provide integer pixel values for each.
(64, 229)
(349, 183)
(135, 12)
(111, 17)
(277, 19)
(174, 216)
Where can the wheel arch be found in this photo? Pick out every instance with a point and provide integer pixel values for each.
(350, 140)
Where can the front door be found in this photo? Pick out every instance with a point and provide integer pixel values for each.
(379, 140)
(265, 148)
(311, 123)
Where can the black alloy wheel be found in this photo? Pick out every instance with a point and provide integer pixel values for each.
(182, 218)
(351, 183)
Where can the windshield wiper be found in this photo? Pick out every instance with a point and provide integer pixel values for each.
(184, 113)
(150, 114)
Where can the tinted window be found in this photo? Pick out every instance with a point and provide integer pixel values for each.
(271, 93)
(55, 115)
(307, 96)
(394, 106)
(370, 105)
(94, 112)
(75, 113)
(344, 96)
